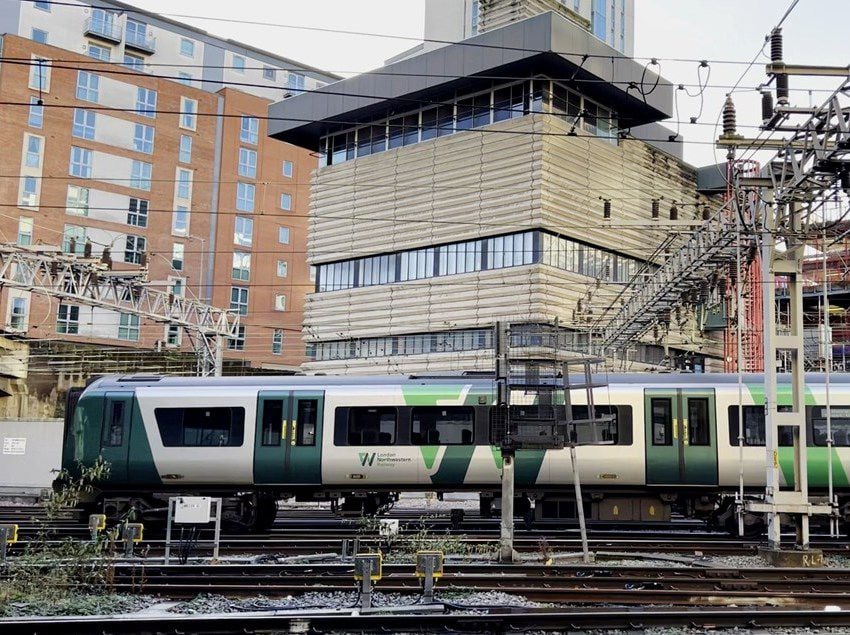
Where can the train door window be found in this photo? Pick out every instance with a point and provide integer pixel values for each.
(272, 421)
(699, 430)
(437, 425)
(114, 433)
(372, 426)
(662, 421)
(306, 421)
(839, 422)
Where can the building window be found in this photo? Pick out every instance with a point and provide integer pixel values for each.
(134, 249)
(136, 33)
(84, 123)
(33, 156)
(39, 35)
(178, 251)
(25, 229)
(188, 113)
(98, 52)
(269, 73)
(140, 175)
(185, 155)
(77, 201)
(137, 212)
(280, 302)
(245, 197)
(146, 102)
(36, 113)
(238, 63)
(172, 335)
(184, 78)
(282, 269)
(143, 138)
(288, 169)
(187, 47)
(239, 300)
(247, 162)
(68, 319)
(475, 18)
(128, 327)
(277, 342)
(286, 202)
(81, 159)
(295, 82)
(74, 239)
(237, 343)
(598, 19)
(134, 62)
(40, 74)
(180, 221)
(243, 233)
(250, 129)
(88, 86)
(241, 266)
(44, 6)
(184, 184)
(29, 192)
(283, 235)
(18, 315)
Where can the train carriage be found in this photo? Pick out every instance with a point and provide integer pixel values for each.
(671, 444)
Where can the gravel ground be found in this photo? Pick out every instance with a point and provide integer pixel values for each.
(80, 605)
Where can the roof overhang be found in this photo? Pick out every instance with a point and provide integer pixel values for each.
(546, 44)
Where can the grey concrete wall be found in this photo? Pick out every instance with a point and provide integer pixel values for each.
(29, 452)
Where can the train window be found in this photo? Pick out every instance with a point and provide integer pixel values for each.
(699, 429)
(602, 432)
(438, 425)
(662, 421)
(114, 431)
(754, 427)
(272, 421)
(201, 427)
(308, 410)
(839, 422)
(372, 426)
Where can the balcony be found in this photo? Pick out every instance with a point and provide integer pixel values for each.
(139, 42)
(103, 29)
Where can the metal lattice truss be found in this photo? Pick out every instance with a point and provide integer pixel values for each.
(86, 281)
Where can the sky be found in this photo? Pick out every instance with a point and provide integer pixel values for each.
(713, 30)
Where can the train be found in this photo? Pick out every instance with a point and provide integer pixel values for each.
(669, 444)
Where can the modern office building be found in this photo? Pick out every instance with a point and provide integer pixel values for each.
(446, 21)
(451, 200)
(127, 136)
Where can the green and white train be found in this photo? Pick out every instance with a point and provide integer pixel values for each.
(672, 443)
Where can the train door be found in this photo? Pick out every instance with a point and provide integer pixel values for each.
(681, 437)
(115, 433)
(287, 446)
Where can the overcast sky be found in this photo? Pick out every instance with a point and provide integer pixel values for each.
(815, 33)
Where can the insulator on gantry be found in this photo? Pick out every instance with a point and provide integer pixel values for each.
(730, 126)
(606, 209)
(776, 58)
(776, 45)
(706, 212)
(655, 207)
(766, 106)
(674, 212)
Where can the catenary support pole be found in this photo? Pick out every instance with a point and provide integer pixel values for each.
(506, 541)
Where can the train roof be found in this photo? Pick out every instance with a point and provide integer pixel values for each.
(484, 381)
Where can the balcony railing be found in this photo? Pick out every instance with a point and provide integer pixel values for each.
(140, 42)
(103, 29)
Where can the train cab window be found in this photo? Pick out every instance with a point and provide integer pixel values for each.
(699, 428)
(754, 432)
(442, 425)
(372, 426)
(615, 431)
(201, 427)
(662, 421)
(272, 421)
(839, 422)
(306, 422)
(114, 430)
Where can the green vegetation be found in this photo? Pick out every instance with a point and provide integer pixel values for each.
(424, 538)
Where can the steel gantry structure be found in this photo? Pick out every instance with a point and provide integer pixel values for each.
(45, 270)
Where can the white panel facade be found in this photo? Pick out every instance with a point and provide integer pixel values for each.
(108, 206)
(111, 168)
(113, 131)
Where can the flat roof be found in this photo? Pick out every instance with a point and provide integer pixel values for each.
(546, 44)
